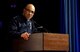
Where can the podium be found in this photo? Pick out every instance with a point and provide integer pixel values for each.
(43, 42)
(56, 42)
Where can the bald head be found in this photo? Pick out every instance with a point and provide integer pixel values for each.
(30, 6)
(29, 11)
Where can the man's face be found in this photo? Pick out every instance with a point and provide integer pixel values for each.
(29, 11)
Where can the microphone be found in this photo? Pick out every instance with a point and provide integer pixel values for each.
(36, 23)
(40, 27)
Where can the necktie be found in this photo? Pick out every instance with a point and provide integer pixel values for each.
(29, 27)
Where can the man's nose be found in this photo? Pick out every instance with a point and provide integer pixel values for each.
(30, 13)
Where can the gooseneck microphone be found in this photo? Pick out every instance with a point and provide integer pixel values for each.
(40, 27)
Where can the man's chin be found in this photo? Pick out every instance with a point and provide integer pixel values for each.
(28, 18)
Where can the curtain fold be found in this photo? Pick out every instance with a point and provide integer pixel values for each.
(69, 19)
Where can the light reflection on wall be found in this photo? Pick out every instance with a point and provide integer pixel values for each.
(13, 5)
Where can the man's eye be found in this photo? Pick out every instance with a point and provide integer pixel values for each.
(32, 11)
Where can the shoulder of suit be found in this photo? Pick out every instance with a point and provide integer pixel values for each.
(16, 17)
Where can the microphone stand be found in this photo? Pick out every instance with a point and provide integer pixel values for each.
(40, 27)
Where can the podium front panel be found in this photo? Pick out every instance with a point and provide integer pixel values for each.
(56, 42)
(35, 43)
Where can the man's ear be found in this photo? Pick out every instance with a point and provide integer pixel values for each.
(23, 10)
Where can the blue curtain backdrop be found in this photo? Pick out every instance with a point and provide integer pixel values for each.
(70, 22)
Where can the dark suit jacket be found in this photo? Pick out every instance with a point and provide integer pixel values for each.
(17, 26)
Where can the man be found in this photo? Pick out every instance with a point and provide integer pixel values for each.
(22, 26)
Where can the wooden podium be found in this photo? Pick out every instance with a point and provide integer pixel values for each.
(43, 42)
(56, 42)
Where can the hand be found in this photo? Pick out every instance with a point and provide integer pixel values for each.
(25, 36)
